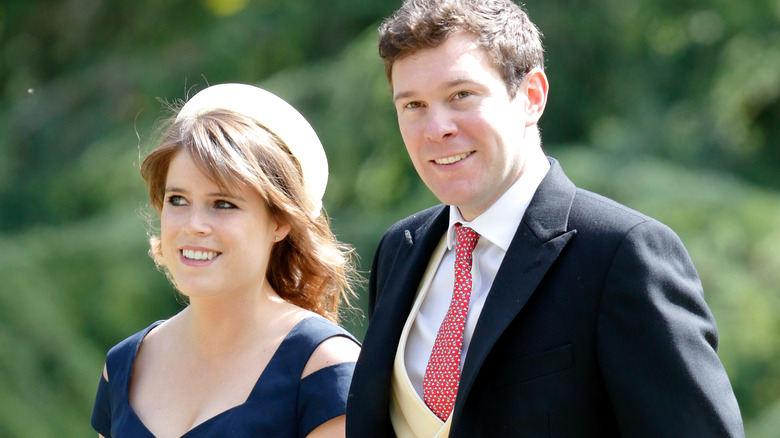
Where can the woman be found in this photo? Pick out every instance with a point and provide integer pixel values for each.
(238, 180)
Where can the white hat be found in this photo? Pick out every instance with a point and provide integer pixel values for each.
(277, 116)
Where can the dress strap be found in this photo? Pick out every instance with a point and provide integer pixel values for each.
(120, 359)
(294, 352)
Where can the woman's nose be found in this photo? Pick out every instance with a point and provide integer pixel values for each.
(198, 222)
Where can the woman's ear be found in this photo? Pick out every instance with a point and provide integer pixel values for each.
(535, 88)
(281, 230)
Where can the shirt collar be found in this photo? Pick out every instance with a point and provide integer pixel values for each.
(499, 222)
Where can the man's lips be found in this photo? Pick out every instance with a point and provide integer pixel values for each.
(452, 159)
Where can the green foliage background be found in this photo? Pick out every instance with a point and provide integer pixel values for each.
(668, 106)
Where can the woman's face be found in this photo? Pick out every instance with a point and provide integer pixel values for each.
(214, 241)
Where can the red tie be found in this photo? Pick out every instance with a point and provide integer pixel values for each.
(440, 384)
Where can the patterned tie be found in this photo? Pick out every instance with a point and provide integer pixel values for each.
(442, 376)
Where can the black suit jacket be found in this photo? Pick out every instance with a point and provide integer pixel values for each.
(595, 326)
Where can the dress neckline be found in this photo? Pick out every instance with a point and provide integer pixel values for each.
(209, 420)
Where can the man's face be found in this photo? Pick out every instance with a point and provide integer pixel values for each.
(463, 132)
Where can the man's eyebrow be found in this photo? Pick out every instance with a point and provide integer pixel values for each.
(451, 84)
(402, 95)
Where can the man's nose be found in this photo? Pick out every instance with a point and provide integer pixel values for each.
(439, 124)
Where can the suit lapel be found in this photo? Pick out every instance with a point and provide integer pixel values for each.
(540, 238)
(393, 306)
(408, 268)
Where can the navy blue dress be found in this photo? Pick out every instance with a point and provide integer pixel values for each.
(281, 404)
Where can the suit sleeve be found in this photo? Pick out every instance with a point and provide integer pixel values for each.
(657, 343)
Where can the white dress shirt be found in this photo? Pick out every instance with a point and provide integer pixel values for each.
(496, 227)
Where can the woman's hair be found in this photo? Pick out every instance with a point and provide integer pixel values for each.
(310, 267)
(501, 27)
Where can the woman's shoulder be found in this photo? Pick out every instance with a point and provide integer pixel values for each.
(128, 347)
(332, 351)
(329, 343)
(120, 358)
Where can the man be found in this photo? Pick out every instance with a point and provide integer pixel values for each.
(524, 306)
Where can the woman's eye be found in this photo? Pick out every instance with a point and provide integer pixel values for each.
(462, 94)
(223, 205)
(176, 200)
(412, 105)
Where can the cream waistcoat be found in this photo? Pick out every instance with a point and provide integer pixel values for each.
(409, 414)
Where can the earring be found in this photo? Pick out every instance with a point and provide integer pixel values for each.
(276, 238)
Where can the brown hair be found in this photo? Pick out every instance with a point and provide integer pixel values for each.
(501, 27)
(310, 267)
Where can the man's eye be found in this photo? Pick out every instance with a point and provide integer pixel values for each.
(412, 105)
(176, 200)
(462, 94)
(224, 205)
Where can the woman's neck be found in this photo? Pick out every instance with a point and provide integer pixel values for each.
(217, 325)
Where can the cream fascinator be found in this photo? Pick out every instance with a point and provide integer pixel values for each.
(277, 116)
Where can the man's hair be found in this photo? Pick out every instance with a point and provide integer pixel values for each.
(501, 27)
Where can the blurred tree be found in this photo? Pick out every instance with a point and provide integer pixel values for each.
(76, 71)
(691, 81)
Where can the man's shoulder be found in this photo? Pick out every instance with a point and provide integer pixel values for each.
(591, 201)
(592, 212)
